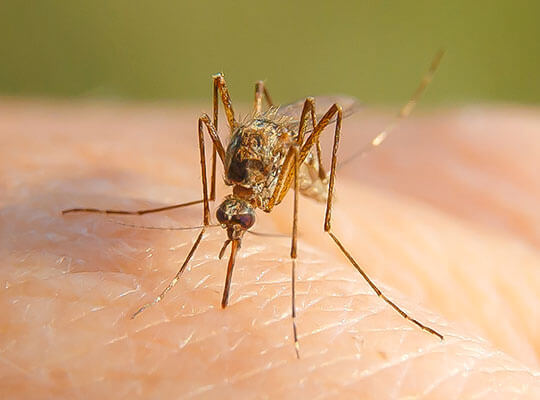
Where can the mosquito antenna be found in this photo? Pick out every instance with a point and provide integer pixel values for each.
(163, 228)
(403, 113)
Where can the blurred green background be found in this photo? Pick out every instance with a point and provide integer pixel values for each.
(167, 50)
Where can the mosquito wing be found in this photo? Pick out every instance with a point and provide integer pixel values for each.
(322, 103)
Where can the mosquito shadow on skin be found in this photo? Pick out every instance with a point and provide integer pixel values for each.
(33, 227)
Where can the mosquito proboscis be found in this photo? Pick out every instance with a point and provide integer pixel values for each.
(272, 151)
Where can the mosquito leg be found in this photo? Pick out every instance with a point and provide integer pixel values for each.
(260, 92)
(175, 280)
(286, 175)
(283, 182)
(318, 129)
(221, 152)
(294, 254)
(404, 112)
(219, 90)
(291, 170)
(206, 206)
(291, 166)
(327, 229)
(220, 87)
(204, 120)
(309, 106)
(215, 113)
(322, 172)
(137, 212)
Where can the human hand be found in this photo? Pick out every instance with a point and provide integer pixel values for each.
(70, 283)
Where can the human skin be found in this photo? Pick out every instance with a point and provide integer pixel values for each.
(444, 217)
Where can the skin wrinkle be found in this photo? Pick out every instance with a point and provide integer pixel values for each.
(200, 390)
(392, 363)
(421, 352)
(258, 371)
(456, 371)
(336, 324)
(165, 321)
(340, 323)
(400, 380)
(117, 339)
(468, 368)
(15, 366)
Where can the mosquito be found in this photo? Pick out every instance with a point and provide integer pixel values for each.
(274, 150)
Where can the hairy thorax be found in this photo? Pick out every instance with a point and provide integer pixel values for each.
(255, 156)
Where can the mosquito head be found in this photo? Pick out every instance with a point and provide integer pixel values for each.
(235, 215)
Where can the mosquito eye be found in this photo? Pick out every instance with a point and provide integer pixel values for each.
(246, 221)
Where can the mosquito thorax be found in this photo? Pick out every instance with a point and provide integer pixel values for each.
(235, 215)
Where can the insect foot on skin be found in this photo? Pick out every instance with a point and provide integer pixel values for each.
(274, 150)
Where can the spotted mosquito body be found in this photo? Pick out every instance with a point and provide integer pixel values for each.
(270, 152)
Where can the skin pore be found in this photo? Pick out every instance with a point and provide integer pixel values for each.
(444, 217)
